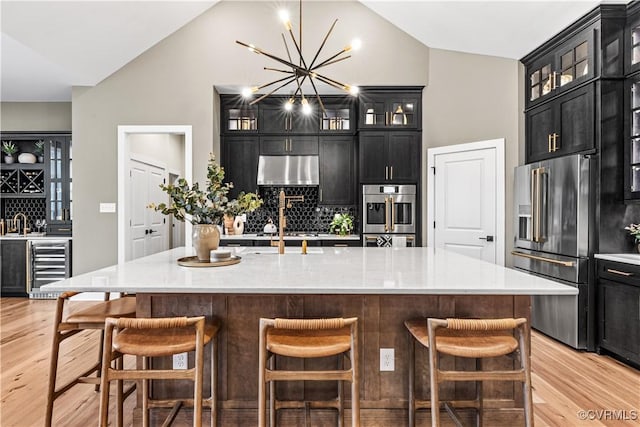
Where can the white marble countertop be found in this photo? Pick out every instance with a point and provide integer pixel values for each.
(326, 270)
(626, 258)
(33, 236)
(298, 236)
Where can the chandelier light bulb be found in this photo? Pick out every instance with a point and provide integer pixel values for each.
(306, 108)
(288, 106)
(353, 90)
(356, 44)
(247, 92)
(283, 14)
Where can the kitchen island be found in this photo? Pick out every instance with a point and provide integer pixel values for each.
(381, 286)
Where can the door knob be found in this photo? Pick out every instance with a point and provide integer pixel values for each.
(488, 238)
(155, 231)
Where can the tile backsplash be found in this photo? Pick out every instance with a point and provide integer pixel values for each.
(306, 216)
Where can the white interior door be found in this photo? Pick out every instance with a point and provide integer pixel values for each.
(148, 232)
(465, 203)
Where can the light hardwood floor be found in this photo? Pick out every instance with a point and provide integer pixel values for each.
(565, 381)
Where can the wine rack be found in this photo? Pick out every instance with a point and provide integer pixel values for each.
(25, 182)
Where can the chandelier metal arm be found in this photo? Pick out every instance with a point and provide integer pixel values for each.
(295, 43)
(286, 47)
(275, 58)
(322, 44)
(273, 91)
(323, 63)
(332, 62)
(318, 96)
(279, 71)
(331, 82)
(275, 81)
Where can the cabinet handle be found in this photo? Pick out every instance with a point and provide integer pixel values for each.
(321, 194)
(555, 142)
(618, 272)
(391, 172)
(340, 245)
(549, 140)
(386, 172)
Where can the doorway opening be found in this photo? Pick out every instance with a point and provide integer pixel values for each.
(128, 137)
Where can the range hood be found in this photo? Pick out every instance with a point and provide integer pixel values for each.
(288, 170)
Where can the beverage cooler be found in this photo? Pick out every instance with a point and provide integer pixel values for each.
(48, 261)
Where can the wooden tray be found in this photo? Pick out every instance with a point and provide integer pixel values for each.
(192, 261)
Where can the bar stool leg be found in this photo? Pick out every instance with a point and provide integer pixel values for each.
(53, 369)
(355, 378)
(340, 362)
(433, 376)
(197, 383)
(104, 390)
(119, 393)
(272, 394)
(412, 382)
(145, 394)
(479, 396)
(525, 362)
(214, 382)
(262, 386)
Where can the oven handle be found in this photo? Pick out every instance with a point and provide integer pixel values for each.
(393, 215)
(539, 258)
(386, 211)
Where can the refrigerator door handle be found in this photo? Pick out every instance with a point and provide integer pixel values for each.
(539, 258)
(535, 218)
(386, 214)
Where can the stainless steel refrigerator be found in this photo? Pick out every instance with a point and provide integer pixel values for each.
(552, 220)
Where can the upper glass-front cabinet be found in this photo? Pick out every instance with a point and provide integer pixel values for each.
(338, 116)
(389, 110)
(60, 182)
(572, 63)
(241, 119)
(632, 148)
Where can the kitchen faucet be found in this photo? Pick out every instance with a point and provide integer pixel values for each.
(284, 201)
(15, 223)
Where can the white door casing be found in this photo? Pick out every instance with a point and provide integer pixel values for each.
(149, 230)
(123, 175)
(466, 199)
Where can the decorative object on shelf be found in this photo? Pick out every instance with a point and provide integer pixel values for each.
(634, 230)
(303, 70)
(235, 212)
(342, 224)
(204, 207)
(26, 158)
(39, 150)
(9, 149)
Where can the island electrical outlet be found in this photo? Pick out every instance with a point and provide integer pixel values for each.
(387, 359)
(180, 361)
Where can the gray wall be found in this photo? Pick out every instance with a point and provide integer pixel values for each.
(35, 116)
(163, 147)
(474, 98)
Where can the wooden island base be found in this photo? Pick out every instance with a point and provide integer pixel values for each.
(383, 394)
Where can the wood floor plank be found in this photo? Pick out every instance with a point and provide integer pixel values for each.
(565, 381)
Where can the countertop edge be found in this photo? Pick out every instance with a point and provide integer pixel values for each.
(623, 258)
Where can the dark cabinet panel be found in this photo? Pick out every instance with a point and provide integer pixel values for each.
(299, 145)
(619, 309)
(373, 157)
(389, 157)
(632, 43)
(240, 162)
(14, 268)
(562, 126)
(337, 180)
(404, 156)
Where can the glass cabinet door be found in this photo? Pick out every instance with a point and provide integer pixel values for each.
(373, 113)
(336, 119)
(540, 82)
(60, 170)
(242, 119)
(633, 162)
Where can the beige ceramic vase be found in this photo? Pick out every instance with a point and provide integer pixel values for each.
(206, 237)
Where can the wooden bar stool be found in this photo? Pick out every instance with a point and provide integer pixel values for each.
(308, 338)
(469, 338)
(89, 318)
(158, 337)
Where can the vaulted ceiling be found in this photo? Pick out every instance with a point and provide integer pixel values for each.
(50, 46)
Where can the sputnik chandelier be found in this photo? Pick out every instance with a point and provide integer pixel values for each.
(304, 70)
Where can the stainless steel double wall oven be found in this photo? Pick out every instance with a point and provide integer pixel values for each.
(388, 214)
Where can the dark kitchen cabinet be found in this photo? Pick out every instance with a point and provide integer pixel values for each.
(300, 145)
(239, 157)
(564, 125)
(389, 157)
(390, 108)
(619, 309)
(14, 268)
(337, 174)
(275, 119)
(338, 116)
(631, 165)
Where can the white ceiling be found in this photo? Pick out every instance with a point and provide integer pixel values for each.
(49, 46)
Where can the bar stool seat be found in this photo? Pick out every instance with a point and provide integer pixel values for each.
(90, 318)
(469, 338)
(316, 343)
(157, 337)
(308, 338)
